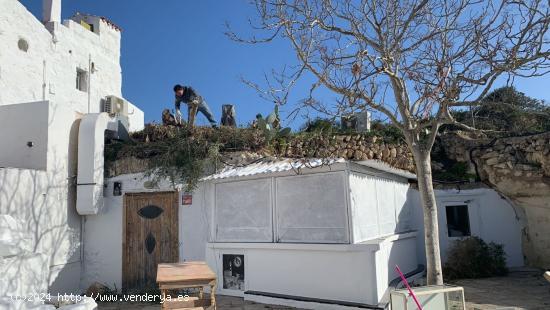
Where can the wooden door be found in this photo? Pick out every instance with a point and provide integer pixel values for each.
(150, 237)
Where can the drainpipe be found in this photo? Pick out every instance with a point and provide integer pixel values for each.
(89, 80)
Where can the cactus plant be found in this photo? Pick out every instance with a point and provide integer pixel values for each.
(271, 125)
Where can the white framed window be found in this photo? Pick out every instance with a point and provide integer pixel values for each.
(81, 80)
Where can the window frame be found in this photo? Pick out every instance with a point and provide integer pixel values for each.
(469, 219)
(82, 77)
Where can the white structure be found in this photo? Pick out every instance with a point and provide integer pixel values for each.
(91, 137)
(480, 212)
(52, 75)
(333, 232)
(318, 237)
(313, 237)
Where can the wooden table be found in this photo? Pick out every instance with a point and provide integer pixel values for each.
(187, 275)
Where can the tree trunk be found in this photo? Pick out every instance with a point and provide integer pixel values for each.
(434, 270)
(228, 115)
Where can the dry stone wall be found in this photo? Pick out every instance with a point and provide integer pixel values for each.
(351, 147)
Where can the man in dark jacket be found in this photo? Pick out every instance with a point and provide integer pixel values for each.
(188, 96)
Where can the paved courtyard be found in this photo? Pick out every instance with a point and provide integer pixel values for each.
(525, 289)
(224, 303)
(521, 290)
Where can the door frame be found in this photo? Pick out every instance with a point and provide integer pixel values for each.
(125, 258)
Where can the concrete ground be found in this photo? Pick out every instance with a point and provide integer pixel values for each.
(521, 290)
(223, 302)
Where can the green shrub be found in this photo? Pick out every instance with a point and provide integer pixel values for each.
(321, 125)
(183, 154)
(474, 258)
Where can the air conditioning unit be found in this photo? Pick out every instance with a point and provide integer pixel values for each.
(115, 106)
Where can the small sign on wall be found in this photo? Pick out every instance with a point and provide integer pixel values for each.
(186, 199)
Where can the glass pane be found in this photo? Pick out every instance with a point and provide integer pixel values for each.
(458, 221)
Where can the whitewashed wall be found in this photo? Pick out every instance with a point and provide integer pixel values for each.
(27, 122)
(491, 217)
(136, 118)
(47, 71)
(45, 199)
(103, 232)
(353, 272)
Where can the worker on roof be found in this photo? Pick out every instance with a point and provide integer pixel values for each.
(187, 95)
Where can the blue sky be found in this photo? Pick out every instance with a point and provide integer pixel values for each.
(182, 41)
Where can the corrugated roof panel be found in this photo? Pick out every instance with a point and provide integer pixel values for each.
(273, 166)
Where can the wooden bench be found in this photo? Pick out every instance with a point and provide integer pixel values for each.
(187, 275)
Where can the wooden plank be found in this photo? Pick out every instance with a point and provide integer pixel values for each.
(184, 272)
(186, 284)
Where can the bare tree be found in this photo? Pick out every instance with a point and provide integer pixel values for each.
(412, 61)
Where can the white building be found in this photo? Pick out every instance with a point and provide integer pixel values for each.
(55, 78)
(301, 234)
(317, 236)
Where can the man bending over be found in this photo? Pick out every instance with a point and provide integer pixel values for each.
(194, 102)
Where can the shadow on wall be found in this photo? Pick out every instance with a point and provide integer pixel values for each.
(44, 201)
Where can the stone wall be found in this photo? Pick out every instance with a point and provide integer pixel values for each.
(351, 147)
(519, 168)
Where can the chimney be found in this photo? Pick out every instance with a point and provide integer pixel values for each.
(51, 11)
